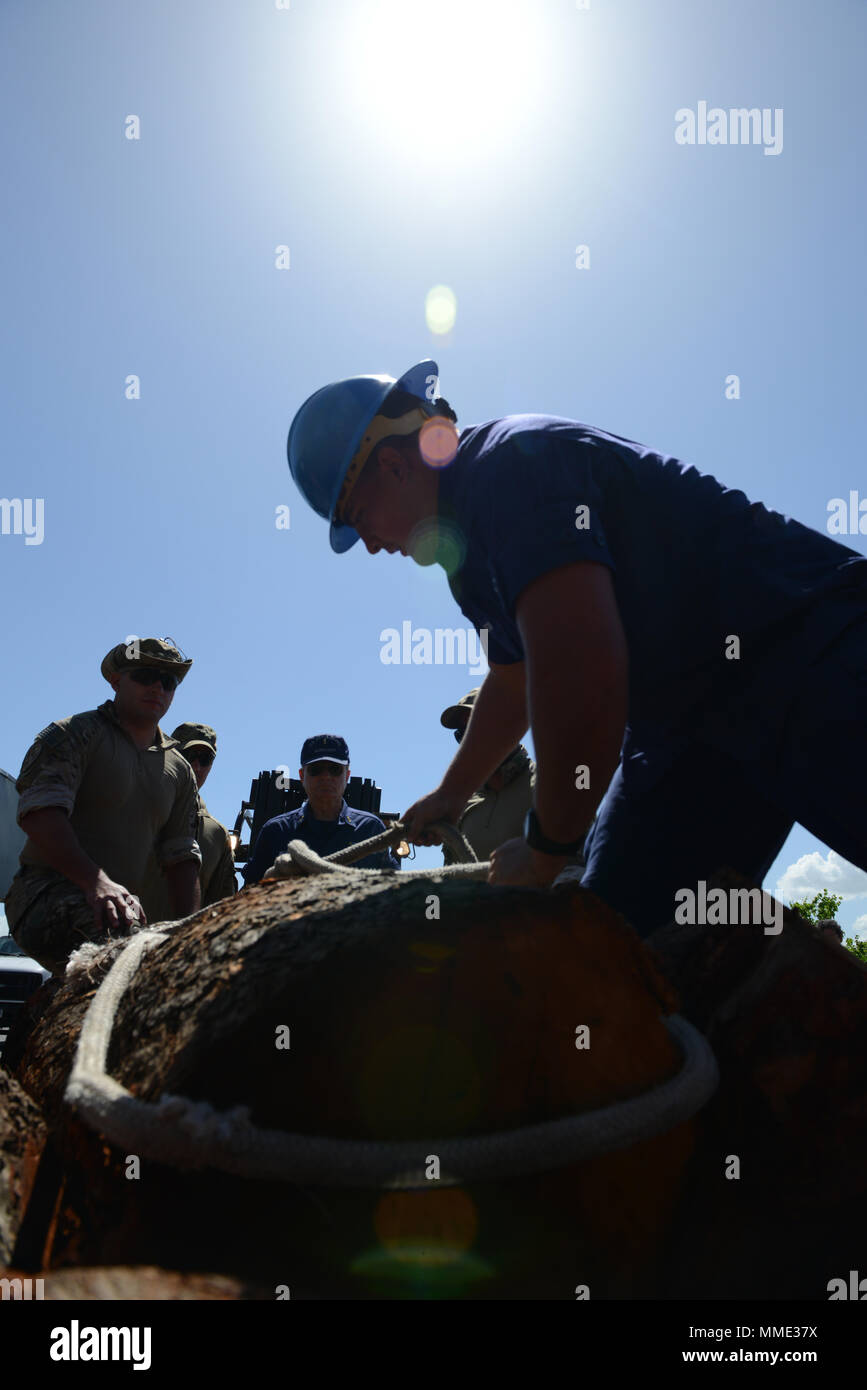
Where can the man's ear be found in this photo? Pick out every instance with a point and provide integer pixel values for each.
(391, 460)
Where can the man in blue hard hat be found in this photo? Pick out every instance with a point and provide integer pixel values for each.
(693, 659)
(323, 821)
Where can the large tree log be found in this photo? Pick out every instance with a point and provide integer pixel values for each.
(22, 1136)
(786, 1016)
(401, 1027)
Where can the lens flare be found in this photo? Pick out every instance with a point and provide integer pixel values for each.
(425, 1239)
(440, 309)
(412, 1275)
(438, 542)
(438, 441)
(441, 1223)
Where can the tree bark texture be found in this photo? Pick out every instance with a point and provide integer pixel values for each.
(401, 1025)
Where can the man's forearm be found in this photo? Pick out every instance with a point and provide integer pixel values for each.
(185, 893)
(578, 728)
(497, 725)
(50, 831)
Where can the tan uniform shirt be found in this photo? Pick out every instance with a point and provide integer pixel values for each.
(491, 817)
(216, 876)
(218, 862)
(123, 802)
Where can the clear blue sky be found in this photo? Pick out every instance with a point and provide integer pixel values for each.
(391, 158)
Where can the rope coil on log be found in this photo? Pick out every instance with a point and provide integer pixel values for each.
(192, 1134)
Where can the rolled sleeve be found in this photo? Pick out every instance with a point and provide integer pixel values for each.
(501, 652)
(49, 792)
(177, 850)
(177, 840)
(545, 512)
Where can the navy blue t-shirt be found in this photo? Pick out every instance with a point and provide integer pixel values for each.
(323, 836)
(693, 562)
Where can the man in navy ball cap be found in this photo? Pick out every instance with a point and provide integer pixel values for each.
(323, 821)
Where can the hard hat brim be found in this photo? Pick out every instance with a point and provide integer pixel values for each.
(342, 537)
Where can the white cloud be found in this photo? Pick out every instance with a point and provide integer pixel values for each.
(858, 928)
(815, 872)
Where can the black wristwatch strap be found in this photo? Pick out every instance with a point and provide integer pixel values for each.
(537, 839)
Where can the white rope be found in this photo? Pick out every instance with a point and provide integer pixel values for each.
(299, 859)
(192, 1134)
(450, 835)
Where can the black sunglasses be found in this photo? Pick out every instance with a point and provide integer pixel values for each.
(459, 733)
(149, 675)
(199, 755)
(317, 769)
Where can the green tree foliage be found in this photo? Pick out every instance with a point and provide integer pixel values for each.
(818, 909)
(823, 907)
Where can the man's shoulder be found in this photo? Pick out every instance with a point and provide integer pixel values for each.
(63, 746)
(210, 824)
(72, 728)
(362, 819)
(175, 760)
(524, 441)
(287, 820)
(500, 457)
(528, 434)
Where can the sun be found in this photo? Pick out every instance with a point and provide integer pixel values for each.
(451, 78)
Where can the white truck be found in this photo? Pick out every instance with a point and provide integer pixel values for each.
(20, 976)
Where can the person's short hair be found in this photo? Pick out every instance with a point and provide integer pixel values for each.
(397, 403)
(828, 923)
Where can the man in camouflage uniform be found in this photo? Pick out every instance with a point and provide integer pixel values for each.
(198, 744)
(98, 792)
(497, 811)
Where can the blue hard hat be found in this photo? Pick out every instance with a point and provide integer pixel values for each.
(328, 428)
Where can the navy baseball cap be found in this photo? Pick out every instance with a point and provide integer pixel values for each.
(330, 746)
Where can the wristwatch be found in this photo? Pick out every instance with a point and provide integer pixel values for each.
(537, 839)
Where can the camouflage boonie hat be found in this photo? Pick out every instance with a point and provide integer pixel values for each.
(157, 652)
(452, 718)
(196, 736)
